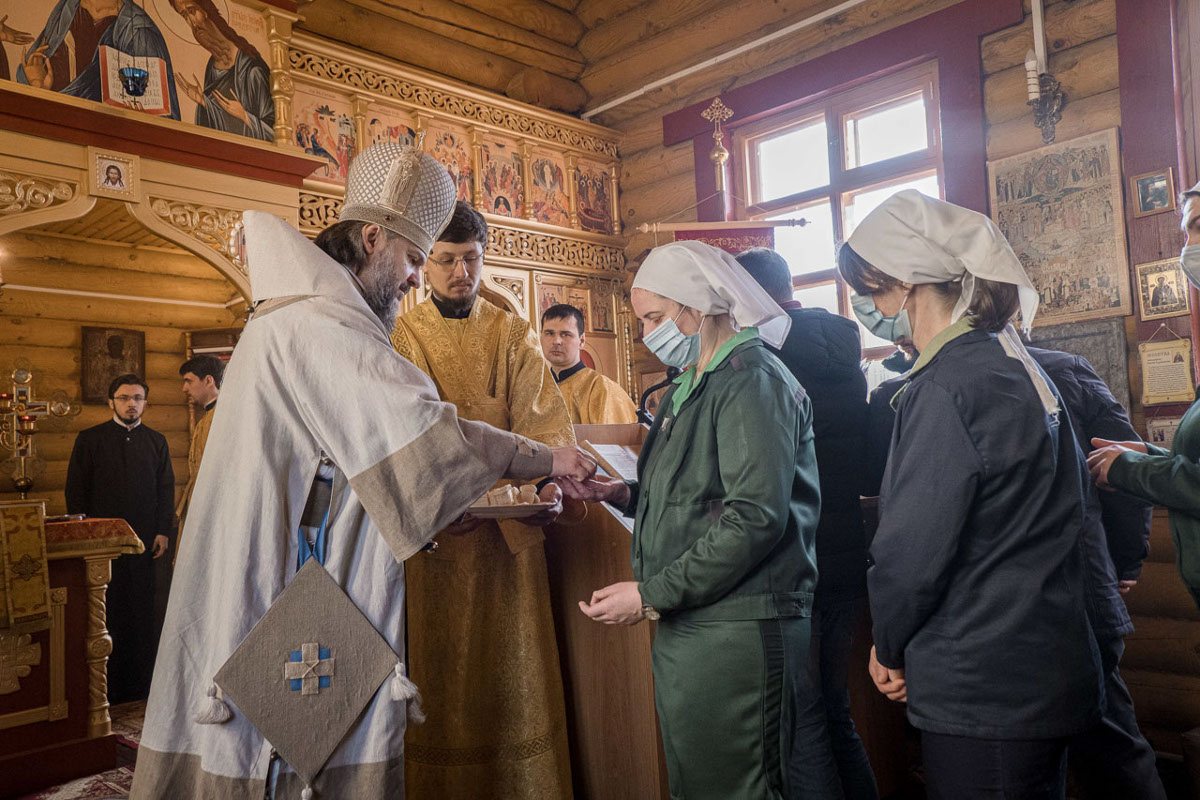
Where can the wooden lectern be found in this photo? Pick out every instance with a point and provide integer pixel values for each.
(616, 752)
(54, 646)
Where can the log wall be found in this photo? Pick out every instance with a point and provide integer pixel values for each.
(45, 328)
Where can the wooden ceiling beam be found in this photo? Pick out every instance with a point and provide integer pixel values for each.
(538, 16)
(388, 36)
(654, 18)
(699, 38)
(839, 31)
(486, 33)
(593, 12)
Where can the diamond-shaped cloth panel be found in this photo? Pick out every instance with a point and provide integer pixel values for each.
(304, 706)
(402, 189)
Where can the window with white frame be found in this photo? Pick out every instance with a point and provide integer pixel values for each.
(831, 162)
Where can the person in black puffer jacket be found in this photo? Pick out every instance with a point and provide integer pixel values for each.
(823, 352)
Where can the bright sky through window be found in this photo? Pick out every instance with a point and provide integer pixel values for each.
(889, 132)
(809, 248)
(794, 162)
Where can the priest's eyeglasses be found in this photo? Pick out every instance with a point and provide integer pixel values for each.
(131, 398)
(470, 262)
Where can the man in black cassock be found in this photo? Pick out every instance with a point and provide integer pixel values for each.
(122, 469)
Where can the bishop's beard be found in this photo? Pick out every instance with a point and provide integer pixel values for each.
(381, 286)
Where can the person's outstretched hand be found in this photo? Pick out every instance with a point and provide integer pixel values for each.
(1106, 452)
(597, 490)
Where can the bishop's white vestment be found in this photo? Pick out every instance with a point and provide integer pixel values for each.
(314, 376)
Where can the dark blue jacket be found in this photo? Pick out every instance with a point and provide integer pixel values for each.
(1119, 524)
(823, 352)
(977, 585)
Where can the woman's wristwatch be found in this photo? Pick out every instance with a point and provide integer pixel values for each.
(650, 613)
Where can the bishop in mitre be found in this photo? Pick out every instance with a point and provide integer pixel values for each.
(481, 633)
(332, 461)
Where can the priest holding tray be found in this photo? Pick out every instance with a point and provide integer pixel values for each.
(282, 670)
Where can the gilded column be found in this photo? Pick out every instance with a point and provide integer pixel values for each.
(279, 34)
(526, 210)
(625, 325)
(360, 107)
(614, 182)
(573, 189)
(477, 165)
(422, 127)
(97, 645)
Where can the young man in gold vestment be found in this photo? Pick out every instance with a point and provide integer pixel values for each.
(591, 398)
(201, 385)
(480, 631)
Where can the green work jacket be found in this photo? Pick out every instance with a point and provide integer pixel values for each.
(727, 501)
(1171, 478)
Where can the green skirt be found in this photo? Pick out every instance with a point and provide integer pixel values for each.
(726, 693)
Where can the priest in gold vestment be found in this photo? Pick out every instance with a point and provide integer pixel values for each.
(591, 398)
(480, 630)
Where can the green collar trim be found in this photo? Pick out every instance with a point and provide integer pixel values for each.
(964, 325)
(687, 383)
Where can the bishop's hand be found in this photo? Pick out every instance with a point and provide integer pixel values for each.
(571, 462)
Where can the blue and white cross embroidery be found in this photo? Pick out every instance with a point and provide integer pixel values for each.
(309, 669)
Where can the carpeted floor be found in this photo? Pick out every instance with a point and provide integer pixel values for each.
(127, 725)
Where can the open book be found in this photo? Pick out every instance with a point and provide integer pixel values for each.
(121, 77)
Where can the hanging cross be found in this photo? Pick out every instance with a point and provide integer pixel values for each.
(309, 669)
(717, 113)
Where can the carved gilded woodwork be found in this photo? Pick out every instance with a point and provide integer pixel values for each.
(218, 229)
(98, 645)
(557, 251)
(305, 62)
(20, 193)
(318, 212)
(19, 654)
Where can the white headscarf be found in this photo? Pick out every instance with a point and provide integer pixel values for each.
(709, 280)
(917, 239)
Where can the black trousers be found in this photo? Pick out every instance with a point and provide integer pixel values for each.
(1112, 760)
(960, 768)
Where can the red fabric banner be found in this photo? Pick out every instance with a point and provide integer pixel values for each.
(732, 240)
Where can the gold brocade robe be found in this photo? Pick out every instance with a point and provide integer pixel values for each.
(195, 453)
(593, 399)
(480, 630)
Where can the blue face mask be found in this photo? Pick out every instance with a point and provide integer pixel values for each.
(672, 346)
(894, 328)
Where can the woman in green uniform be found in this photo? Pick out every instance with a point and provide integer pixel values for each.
(1169, 478)
(725, 506)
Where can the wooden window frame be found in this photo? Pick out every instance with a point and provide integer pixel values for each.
(838, 108)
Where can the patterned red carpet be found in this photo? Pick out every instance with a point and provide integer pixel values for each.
(127, 725)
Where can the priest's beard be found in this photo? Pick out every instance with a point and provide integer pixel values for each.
(459, 305)
(381, 286)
